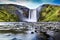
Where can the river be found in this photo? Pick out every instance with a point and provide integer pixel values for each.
(9, 36)
(25, 35)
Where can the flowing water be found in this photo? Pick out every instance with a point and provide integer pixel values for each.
(20, 35)
(9, 36)
(32, 16)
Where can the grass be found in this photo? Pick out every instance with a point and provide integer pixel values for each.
(50, 13)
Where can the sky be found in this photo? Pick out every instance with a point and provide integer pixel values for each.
(32, 4)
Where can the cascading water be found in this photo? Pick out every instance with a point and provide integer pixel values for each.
(29, 14)
(32, 16)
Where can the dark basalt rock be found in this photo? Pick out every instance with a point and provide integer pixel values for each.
(32, 32)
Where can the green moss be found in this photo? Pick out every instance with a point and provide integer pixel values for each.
(50, 13)
(5, 16)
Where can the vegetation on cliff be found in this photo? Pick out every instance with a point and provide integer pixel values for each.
(50, 13)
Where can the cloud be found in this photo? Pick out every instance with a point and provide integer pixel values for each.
(47, 1)
(35, 1)
(3, 0)
(32, 4)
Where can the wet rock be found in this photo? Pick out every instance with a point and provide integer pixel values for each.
(35, 28)
(16, 39)
(9, 35)
(35, 31)
(57, 35)
(32, 32)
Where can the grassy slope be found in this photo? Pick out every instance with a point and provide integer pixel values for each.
(6, 16)
(50, 13)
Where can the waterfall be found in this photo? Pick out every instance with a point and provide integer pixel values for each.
(32, 15)
(29, 14)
